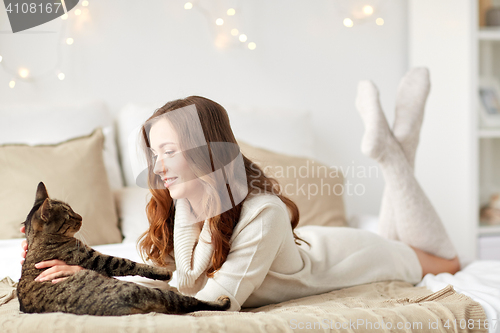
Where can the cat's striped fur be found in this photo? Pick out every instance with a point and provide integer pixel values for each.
(50, 227)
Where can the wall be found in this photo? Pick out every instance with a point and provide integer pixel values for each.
(155, 51)
(440, 35)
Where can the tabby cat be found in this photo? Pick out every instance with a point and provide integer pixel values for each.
(50, 227)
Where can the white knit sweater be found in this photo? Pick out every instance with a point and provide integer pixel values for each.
(265, 266)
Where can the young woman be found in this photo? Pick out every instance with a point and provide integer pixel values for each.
(232, 235)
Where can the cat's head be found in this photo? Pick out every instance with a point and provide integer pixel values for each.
(49, 216)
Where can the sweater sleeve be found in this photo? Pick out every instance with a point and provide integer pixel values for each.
(250, 257)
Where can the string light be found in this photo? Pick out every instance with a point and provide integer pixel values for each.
(23, 72)
(368, 10)
(356, 13)
(222, 39)
(348, 22)
(380, 21)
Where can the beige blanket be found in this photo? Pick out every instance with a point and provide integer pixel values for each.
(389, 306)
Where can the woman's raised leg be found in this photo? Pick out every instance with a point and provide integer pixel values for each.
(410, 104)
(417, 222)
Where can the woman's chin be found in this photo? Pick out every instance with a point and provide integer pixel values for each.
(175, 193)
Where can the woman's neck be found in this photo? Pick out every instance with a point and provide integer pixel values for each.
(196, 208)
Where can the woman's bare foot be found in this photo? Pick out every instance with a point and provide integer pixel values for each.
(435, 265)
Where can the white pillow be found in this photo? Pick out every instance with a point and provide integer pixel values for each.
(131, 204)
(130, 119)
(52, 124)
(364, 221)
(283, 131)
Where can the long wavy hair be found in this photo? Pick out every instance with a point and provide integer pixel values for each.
(157, 242)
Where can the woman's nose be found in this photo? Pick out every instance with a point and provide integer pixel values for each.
(159, 167)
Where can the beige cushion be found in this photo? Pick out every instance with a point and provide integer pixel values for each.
(73, 172)
(318, 195)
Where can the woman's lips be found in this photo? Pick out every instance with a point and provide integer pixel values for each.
(168, 181)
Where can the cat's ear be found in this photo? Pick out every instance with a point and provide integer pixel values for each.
(45, 210)
(41, 192)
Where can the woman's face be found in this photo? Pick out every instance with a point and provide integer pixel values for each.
(171, 165)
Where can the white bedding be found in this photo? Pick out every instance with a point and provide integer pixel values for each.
(480, 280)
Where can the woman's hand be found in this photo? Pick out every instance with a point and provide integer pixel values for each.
(58, 270)
(24, 245)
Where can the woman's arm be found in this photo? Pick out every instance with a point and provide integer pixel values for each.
(250, 257)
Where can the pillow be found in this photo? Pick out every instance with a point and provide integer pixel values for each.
(131, 203)
(316, 189)
(364, 221)
(280, 130)
(52, 124)
(130, 120)
(73, 172)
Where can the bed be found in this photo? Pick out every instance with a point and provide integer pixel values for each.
(466, 301)
(471, 295)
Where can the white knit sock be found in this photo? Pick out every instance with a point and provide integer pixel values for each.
(417, 222)
(410, 103)
(376, 128)
(386, 226)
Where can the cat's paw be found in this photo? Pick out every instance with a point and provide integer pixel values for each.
(224, 301)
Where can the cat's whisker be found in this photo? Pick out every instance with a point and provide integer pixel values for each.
(84, 240)
(64, 195)
(81, 235)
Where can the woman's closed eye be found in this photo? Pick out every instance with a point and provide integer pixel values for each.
(168, 153)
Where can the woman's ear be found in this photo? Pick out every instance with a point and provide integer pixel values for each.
(45, 210)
